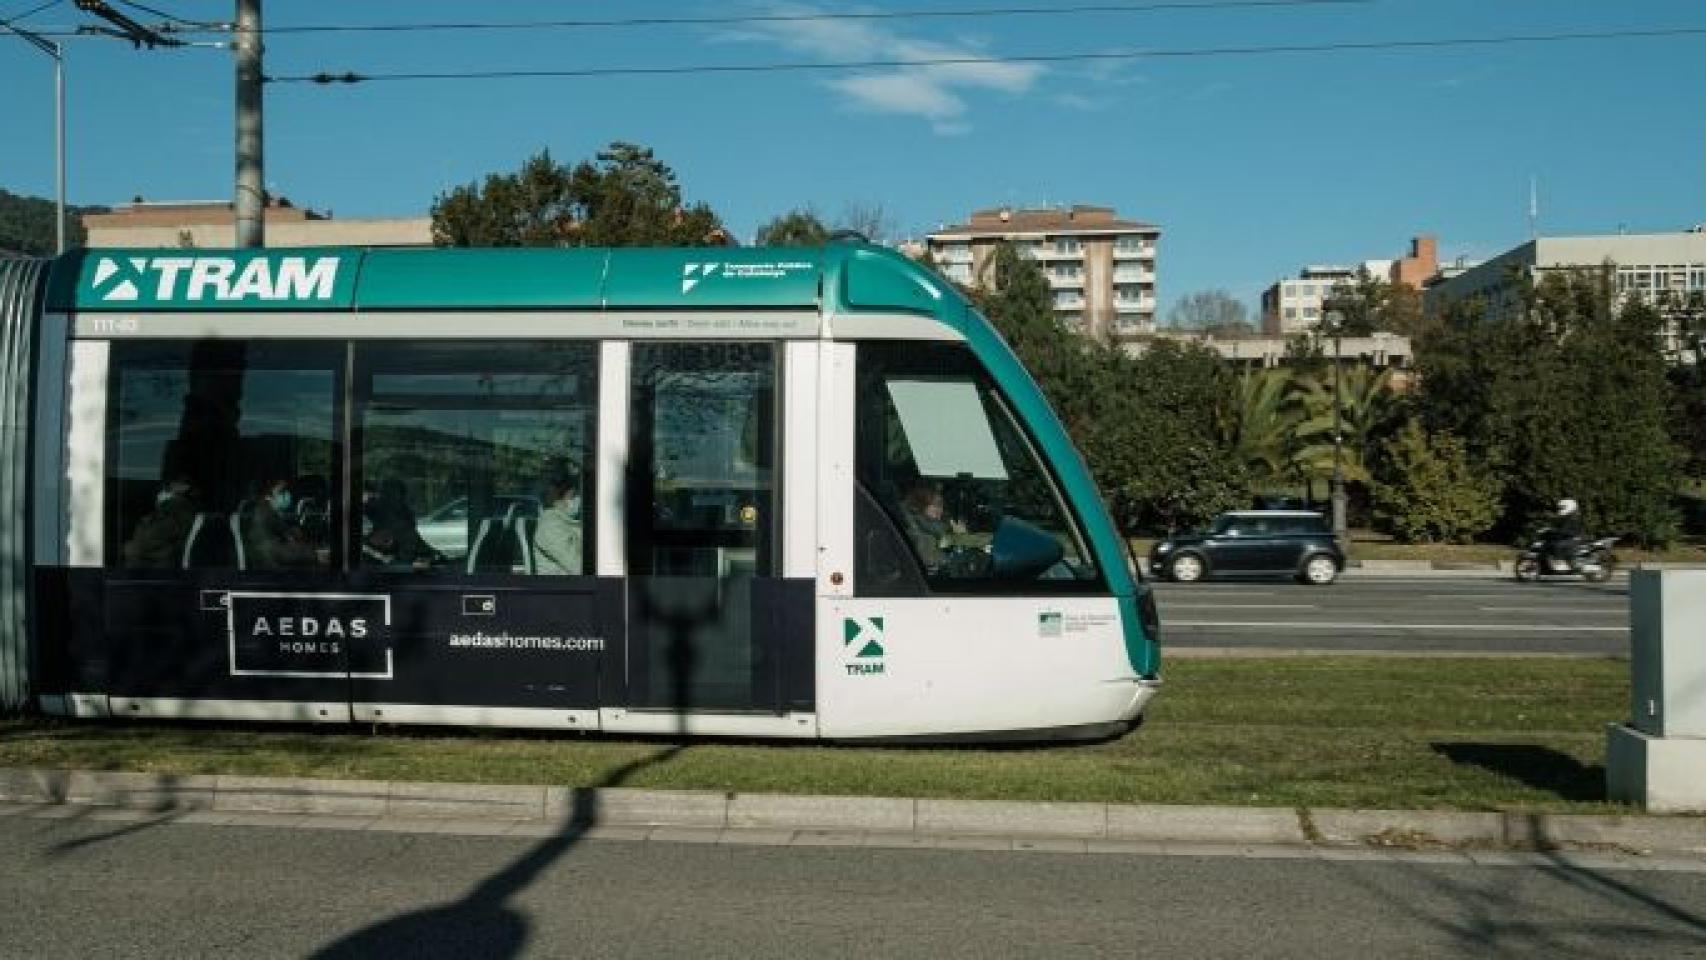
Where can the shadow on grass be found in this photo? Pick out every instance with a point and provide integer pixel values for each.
(1542, 768)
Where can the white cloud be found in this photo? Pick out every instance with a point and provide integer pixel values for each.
(930, 91)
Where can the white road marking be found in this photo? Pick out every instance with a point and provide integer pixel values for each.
(1613, 611)
(1463, 627)
(1168, 604)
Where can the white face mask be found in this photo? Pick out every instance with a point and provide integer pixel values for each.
(572, 505)
(163, 496)
(281, 501)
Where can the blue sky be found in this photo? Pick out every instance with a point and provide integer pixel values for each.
(1251, 165)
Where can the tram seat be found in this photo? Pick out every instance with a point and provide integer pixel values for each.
(502, 544)
(215, 540)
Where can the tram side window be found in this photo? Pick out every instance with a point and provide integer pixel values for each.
(223, 456)
(476, 458)
(940, 451)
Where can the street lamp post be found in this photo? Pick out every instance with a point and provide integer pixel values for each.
(1336, 322)
(58, 54)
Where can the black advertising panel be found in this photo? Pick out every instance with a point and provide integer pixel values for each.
(474, 646)
(309, 634)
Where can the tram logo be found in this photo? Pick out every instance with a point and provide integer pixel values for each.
(128, 279)
(864, 635)
(692, 273)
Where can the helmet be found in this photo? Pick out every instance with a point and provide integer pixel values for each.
(1566, 507)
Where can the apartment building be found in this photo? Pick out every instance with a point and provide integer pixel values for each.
(1101, 269)
(1661, 268)
(1294, 304)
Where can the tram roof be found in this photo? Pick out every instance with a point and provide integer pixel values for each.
(835, 277)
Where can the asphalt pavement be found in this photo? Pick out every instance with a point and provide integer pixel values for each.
(77, 887)
(1429, 614)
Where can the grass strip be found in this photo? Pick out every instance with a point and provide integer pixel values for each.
(1470, 734)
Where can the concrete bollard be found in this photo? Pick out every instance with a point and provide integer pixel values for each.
(1658, 759)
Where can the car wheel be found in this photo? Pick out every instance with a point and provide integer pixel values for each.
(1186, 568)
(1527, 569)
(1320, 570)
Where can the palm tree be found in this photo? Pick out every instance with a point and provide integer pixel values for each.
(1262, 429)
(1366, 404)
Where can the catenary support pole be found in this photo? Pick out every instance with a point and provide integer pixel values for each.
(251, 196)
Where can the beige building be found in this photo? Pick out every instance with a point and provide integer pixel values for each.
(213, 224)
(1293, 305)
(1664, 269)
(1100, 269)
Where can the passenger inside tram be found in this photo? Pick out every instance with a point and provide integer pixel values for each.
(558, 543)
(158, 540)
(392, 536)
(271, 538)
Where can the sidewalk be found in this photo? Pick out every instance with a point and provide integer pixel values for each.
(703, 816)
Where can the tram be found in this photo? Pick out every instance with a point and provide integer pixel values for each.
(751, 492)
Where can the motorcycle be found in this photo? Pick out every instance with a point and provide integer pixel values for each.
(1591, 559)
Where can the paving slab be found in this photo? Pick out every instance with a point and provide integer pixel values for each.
(35, 786)
(1675, 833)
(1407, 828)
(1050, 844)
(465, 800)
(1154, 848)
(757, 837)
(830, 838)
(302, 795)
(629, 807)
(143, 791)
(1207, 823)
(686, 834)
(829, 812)
(991, 816)
(971, 841)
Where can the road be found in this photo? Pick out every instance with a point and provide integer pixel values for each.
(1439, 614)
(77, 888)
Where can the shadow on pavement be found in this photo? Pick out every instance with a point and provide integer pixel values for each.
(1542, 768)
(1489, 914)
(484, 923)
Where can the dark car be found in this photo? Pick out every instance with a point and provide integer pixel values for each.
(1253, 543)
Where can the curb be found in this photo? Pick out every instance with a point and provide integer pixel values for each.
(921, 817)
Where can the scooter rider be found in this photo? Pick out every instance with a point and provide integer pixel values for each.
(1564, 536)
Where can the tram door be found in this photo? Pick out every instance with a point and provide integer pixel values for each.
(701, 526)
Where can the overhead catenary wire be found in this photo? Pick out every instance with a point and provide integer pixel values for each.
(12, 18)
(589, 23)
(173, 20)
(950, 61)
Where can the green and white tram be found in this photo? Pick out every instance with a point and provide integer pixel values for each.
(741, 492)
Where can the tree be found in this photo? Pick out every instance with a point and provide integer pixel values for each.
(1565, 396)
(868, 220)
(1262, 428)
(1367, 405)
(796, 228)
(1426, 491)
(1373, 304)
(26, 224)
(1210, 311)
(1148, 426)
(624, 197)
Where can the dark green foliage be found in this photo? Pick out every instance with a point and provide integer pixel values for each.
(623, 198)
(1373, 304)
(1688, 383)
(796, 228)
(26, 224)
(1425, 490)
(1148, 426)
(1566, 397)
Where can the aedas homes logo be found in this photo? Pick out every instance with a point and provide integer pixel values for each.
(864, 636)
(129, 279)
